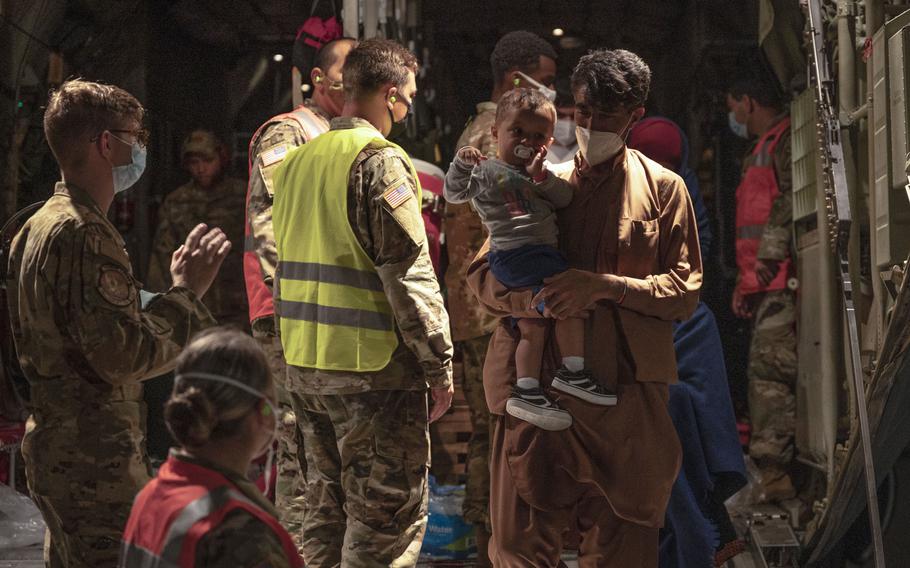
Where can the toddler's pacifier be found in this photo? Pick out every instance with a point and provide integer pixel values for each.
(523, 152)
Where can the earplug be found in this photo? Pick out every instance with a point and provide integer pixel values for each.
(517, 81)
(392, 99)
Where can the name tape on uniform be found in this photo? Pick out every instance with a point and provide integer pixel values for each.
(397, 194)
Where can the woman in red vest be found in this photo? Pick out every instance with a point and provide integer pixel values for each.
(202, 510)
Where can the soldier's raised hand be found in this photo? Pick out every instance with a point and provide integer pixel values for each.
(196, 263)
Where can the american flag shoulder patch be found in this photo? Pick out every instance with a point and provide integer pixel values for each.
(274, 155)
(398, 193)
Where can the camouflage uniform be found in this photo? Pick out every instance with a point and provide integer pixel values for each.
(367, 440)
(772, 366)
(471, 324)
(218, 206)
(85, 344)
(289, 489)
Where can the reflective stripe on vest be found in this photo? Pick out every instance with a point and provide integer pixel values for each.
(177, 509)
(368, 280)
(259, 295)
(136, 556)
(332, 311)
(754, 199)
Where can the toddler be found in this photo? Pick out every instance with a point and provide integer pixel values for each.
(516, 198)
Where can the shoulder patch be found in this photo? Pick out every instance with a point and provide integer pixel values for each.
(274, 155)
(115, 286)
(269, 161)
(397, 193)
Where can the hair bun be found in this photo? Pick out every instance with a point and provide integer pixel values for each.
(190, 417)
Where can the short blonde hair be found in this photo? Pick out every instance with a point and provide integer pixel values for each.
(80, 110)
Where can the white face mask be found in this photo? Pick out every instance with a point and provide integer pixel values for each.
(273, 409)
(597, 147)
(127, 175)
(564, 133)
(547, 92)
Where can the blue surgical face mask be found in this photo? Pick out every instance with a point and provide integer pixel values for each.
(127, 175)
(737, 127)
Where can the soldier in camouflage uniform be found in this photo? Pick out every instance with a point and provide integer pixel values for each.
(212, 198)
(268, 148)
(84, 341)
(514, 54)
(366, 432)
(763, 293)
(220, 427)
(240, 540)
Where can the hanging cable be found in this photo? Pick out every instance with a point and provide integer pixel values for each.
(26, 33)
(25, 54)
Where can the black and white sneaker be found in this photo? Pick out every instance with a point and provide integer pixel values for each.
(582, 385)
(535, 407)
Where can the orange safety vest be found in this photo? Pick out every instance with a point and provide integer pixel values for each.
(259, 296)
(180, 506)
(754, 197)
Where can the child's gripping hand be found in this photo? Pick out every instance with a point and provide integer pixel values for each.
(470, 155)
(535, 167)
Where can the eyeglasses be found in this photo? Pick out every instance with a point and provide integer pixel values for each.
(141, 134)
(330, 84)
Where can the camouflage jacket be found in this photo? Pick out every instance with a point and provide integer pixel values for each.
(85, 344)
(777, 236)
(274, 134)
(218, 206)
(395, 239)
(465, 235)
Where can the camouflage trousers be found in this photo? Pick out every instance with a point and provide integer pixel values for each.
(366, 479)
(772, 380)
(289, 485)
(85, 496)
(476, 507)
(82, 535)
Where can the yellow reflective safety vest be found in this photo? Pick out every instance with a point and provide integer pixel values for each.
(332, 311)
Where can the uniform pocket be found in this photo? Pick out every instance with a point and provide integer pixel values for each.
(396, 489)
(400, 429)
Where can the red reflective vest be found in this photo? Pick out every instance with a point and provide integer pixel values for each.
(432, 180)
(754, 197)
(258, 293)
(180, 506)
